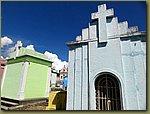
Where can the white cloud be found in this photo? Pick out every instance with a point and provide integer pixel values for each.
(57, 63)
(5, 41)
(31, 47)
(65, 63)
(9, 51)
(2, 57)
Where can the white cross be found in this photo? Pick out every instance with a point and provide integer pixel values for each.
(18, 46)
(101, 16)
(109, 13)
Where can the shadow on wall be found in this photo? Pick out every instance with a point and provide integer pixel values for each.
(102, 44)
(57, 100)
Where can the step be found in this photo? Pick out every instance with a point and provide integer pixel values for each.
(15, 107)
(8, 102)
(4, 107)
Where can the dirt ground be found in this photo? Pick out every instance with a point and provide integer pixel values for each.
(38, 106)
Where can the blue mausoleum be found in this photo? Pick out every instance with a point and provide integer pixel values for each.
(107, 65)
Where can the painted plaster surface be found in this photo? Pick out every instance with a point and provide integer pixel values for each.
(27, 75)
(12, 81)
(36, 81)
(107, 46)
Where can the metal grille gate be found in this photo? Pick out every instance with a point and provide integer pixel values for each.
(107, 93)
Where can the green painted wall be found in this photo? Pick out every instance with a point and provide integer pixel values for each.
(37, 79)
(12, 80)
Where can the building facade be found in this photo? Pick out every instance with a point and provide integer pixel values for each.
(54, 78)
(59, 79)
(107, 65)
(64, 77)
(63, 72)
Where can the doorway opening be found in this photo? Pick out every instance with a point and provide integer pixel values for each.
(108, 95)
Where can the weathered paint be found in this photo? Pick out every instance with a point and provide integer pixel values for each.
(36, 81)
(12, 79)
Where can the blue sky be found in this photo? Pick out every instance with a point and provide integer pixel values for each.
(49, 25)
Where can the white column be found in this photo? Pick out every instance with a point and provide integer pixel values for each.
(85, 78)
(78, 77)
(23, 81)
(71, 86)
(48, 82)
(91, 97)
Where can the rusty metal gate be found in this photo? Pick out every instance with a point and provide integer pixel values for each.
(107, 93)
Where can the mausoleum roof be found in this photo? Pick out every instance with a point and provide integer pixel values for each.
(143, 33)
(30, 58)
(29, 55)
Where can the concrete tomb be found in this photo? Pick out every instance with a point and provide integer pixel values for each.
(26, 76)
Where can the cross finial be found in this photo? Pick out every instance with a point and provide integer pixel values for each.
(19, 44)
(17, 48)
(102, 9)
(101, 16)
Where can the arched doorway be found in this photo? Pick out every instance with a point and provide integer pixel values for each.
(108, 92)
